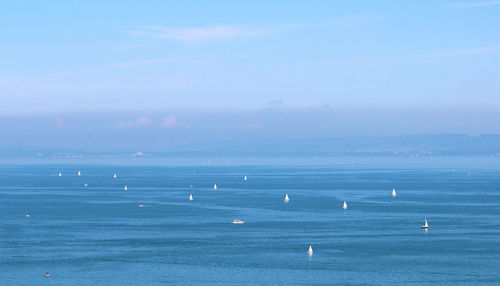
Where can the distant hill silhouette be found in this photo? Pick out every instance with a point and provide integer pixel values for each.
(405, 145)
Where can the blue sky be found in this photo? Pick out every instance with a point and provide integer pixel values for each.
(180, 58)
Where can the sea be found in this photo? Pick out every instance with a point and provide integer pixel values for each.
(152, 234)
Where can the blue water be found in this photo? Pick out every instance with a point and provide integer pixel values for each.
(97, 235)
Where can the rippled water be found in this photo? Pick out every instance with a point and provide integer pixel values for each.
(99, 235)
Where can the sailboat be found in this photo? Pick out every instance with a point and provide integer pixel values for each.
(126, 188)
(393, 192)
(310, 251)
(237, 221)
(215, 186)
(245, 178)
(191, 197)
(345, 205)
(60, 174)
(426, 225)
(114, 176)
(79, 174)
(287, 199)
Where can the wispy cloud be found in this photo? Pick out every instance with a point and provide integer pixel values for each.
(199, 34)
(134, 64)
(206, 34)
(474, 4)
(142, 121)
(59, 123)
(274, 103)
(252, 125)
(171, 122)
(469, 52)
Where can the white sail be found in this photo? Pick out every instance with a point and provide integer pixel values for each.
(310, 251)
(393, 192)
(345, 205)
(191, 197)
(215, 186)
(114, 176)
(60, 174)
(245, 178)
(126, 188)
(286, 200)
(79, 174)
(426, 225)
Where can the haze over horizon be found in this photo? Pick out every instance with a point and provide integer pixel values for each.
(90, 73)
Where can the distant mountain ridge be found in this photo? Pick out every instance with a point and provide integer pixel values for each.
(403, 145)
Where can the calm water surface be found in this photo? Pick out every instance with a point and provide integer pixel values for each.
(97, 235)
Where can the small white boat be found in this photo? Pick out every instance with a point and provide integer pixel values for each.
(114, 176)
(426, 225)
(79, 173)
(85, 185)
(237, 221)
(140, 206)
(60, 174)
(47, 274)
(245, 178)
(191, 197)
(287, 199)
(310, 251)
(126, 188)
(28, 216)
(215, 186)
(345, 205)
(394, 192)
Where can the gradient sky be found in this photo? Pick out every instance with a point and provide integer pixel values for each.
(163, 63)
